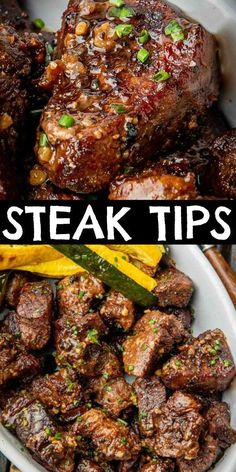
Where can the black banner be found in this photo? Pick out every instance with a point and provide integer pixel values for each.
(130, 222)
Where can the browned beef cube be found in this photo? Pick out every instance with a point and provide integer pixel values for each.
(60, 393)
(33, 426)
(206, 457)
(14, 287)
(184, 315)
(151, 394)
(173, 288)
(10, 324)
(15, 362)
(117, 309)
(178, 426)
(155, 335)
(205, 364)
(34, 314)
(218, 417)
(158, 465)
(76, 294)
(79, 344)
(114, 395)
(86, 465)
(113, 441)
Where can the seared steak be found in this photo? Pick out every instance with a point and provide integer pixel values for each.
(123, 87)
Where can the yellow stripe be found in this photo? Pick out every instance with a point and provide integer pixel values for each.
(114, 258)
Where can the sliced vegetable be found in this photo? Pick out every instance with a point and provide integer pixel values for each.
(66, 121)
(118, 107)
(62, 267)
(144, 37)
(147, 254)
(127, 12)
(123, 30)
(13, 256)
(43, 140)
(161, 76)
(175, 30)
(113, 270)
(143, 55)
(38, 23)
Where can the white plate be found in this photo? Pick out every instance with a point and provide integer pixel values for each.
(218, 16)
(213, 309)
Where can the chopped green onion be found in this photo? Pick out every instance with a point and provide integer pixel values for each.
(144, 37)
(143, 55)
(78, 438)
(38, 23)
(152, 322)
(174, 30)
(66, 121)
(58, 436)
(227, 362)
(48, 431)
(142, 415)
(130, 368)
(213, 362)
(119, 107)
(161, 76)
(81, 294)
(108, 389)
(95, 84)
(123, 30)
(127, 12)
(114, 12)
(123, 422)
(93, 335)
(123, 441)
(117, 3)
(106, 376)
(178, 363)
(43, 140)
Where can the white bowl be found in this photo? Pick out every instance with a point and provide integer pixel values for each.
(213, 309)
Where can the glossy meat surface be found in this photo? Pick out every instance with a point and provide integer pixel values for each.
(173, 288)
(207, 456)
(155, 335)
(118, 310)
(151, 394)
(205, 364)
(218, 417)
(34, 314)
(178, 425)
(121, 114)
(114, 395)
(113, 441)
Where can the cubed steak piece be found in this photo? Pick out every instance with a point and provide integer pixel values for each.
(117, 309)
(51, 446)
(112, 440)
(158, 465)
(86, 465)
(173, 288)
(114, 395)
(178, 426)
(218, 417)
(60, 392)
(116, 100)
(47, 191)
(14, 287)
(79, 345)
(11, 14)
(155, 335)
(185, 315)
(152, 184)
(34, 314)
(207, 456)
(76, 293)
(151, 394)
(203, 365)
(220, 178)
(15, 362)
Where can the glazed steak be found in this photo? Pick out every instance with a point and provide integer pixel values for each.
(127, 84)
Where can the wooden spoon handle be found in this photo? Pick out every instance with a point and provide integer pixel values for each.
(224, 271)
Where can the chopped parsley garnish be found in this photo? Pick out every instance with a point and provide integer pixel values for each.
(66, 121)
(152, 322)
(161, 76)
(213, 361)
(127, 12)
(58, 436)
(118, 107)
(123, 422)
(48, 431)
(123, 441)
(123, 30)
(174, 30)
(178, 363)
(143, 55)
(81, 294)
(144, 37)
(108, 389)
(38, 23)
(93, 335)
(130, 368)
(78, 438)
(69, 385)
(43, 140)
(106, 376)
(227, 362)
(142, 415)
